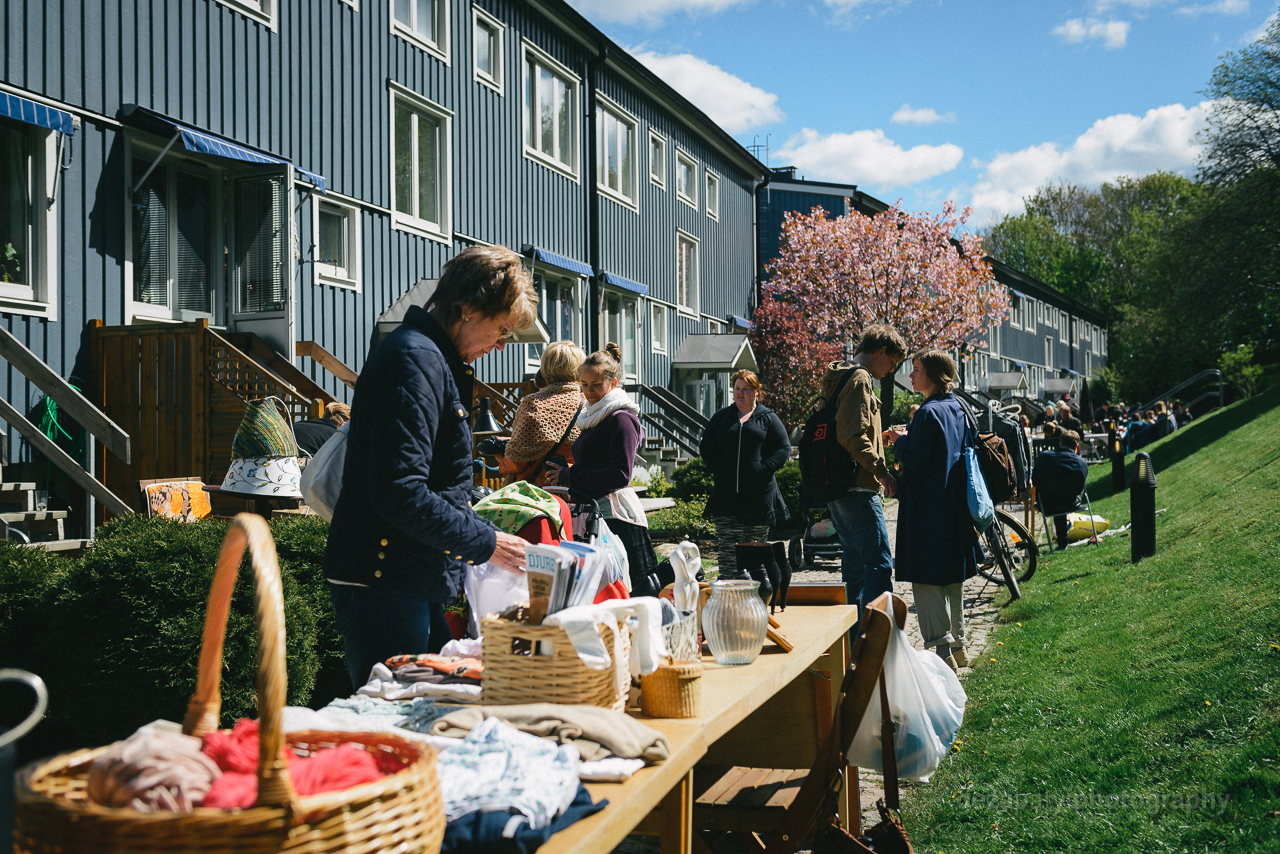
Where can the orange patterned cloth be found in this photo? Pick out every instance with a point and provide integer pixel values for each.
(185, 501)
(541, 420)
(446, 665)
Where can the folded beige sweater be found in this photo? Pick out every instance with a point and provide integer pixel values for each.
(596, 732)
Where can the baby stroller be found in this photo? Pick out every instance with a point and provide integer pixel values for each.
(817, 542)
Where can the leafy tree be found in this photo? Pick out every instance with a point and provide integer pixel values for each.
(1243, 134)
(1238, 369)
(834, 277)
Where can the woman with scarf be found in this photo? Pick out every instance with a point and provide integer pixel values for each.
(546, 417)
(604, 455)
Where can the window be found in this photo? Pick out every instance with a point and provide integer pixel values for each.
(175, 241)
(686, 179)
(657, 159)
(487, 40)
(687, 272)
(1064, 327)
(1048, 352)
(262, 11)
(620, 326)
(420, 159)
(715, 327)
(425, 23)
(558, 306)
(658, 328)
(550, 112)
(28, 219)
(1015, 311)
(713, 196)
(616, 145)
(337, 246)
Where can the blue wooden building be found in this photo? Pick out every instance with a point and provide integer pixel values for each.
(290, 168)
(1048, 341)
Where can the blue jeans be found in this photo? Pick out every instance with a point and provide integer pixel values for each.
(866, 564)
(377, 624)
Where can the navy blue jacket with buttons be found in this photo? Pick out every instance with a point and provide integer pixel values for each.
(403, 521)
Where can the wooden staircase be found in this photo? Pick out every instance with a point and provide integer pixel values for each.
(21, 521)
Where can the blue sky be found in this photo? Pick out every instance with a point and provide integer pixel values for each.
(976, 101)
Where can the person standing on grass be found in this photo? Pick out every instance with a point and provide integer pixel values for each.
(937, 545)
(866, 563)
(743, 446)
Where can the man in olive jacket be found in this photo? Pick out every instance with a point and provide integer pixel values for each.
(866, 564)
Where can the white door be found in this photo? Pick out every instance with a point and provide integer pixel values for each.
(260, 272)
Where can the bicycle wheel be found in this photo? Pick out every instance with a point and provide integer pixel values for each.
(1008, 540)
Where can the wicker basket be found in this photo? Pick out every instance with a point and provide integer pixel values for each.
(400, 812)
(513, 675)
(674, 690)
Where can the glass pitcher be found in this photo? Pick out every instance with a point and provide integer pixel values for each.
(735, 621)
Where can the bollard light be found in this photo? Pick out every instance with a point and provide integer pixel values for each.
(1142, 508)
(1117, 457)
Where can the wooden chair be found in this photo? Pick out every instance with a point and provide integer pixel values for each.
(784, 804)
(180, 498)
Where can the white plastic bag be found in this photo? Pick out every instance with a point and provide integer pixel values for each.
(491, 590)
(322, 479)
(618, 566)
(927, 705)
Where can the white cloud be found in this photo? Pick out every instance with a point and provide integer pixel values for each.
(866, 157)
(1111, 33)
(848, 5)
(905, 115)
(730, 101)
(1103, 5)
(1260, 32)
(1222, 7)
(646, 11)
(1118, 145)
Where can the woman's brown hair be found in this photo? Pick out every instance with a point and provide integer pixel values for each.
(490, 280)
(940, 368)
(608, 361)
(750, 379)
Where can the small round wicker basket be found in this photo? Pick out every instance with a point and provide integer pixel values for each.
(674, 690)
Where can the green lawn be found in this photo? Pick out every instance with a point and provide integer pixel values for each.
(1128, 707)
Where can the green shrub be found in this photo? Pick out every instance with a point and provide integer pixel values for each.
(659, 486)
(692, 479)
(685, 521)
(1238, 369)
(788, 478)
(117, 633)
(902, 403)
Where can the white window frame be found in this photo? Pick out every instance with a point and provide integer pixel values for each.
(40, 297)
(532, 352)
(685, 157)
(715, 327)
(659, 179)
(628, 196)
(623, 297)
(1048, 352)
(327, 274)
(480, 18)
(1064, 332)
(442, 231)
(690, 311)
(1016, 304)
(405, 31)
(659, 320)
(712, 181)
(354, 4)
(263, 11)
(573, 86)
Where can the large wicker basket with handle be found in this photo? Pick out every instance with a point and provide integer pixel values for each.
(514, 672)
(400, 812)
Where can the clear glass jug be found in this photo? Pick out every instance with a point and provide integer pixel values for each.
(735, 621)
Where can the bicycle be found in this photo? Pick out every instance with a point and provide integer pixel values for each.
(1010, 548)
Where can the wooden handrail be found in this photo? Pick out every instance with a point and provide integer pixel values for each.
(267, 384)
(326, 360)
(62, 460)
(279, 366)
(70, 401)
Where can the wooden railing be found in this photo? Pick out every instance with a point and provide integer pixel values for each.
(76, 406)
(280, 367)
(504, 399)
(246, 379)
(328, 361)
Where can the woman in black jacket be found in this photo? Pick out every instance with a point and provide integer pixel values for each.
(403, 530)
(743, 446)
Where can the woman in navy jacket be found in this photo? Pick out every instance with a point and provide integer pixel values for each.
(403, 531)
(937, 547)
(743, 446)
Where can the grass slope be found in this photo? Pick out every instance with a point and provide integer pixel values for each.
(1132, 707)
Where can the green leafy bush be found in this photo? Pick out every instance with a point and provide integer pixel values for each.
(902, 403)
(685, 521)
(659, 486)
(117, 634)
(1238, 369)
(692, 479)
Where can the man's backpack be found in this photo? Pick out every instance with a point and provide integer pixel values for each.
(995, 462)
(826, 470)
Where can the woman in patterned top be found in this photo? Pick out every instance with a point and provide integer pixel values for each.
(543, 417)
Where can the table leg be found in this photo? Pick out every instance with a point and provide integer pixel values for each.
(676, 835)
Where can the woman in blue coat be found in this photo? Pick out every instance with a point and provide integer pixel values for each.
(937, 545)
(403, 531)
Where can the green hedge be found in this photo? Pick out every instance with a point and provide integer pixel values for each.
(116, 634)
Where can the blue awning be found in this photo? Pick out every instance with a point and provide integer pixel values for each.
(742, 322)
(1019, 364)
(626, 284)
(544, 257)
(36, 114)
(203, 142)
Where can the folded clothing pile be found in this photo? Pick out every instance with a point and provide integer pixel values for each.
(383, 683)
(436, 669)
(366, 714)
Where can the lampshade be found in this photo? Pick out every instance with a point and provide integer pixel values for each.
(485, 422)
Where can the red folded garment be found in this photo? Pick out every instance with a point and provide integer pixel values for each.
(330, 770)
